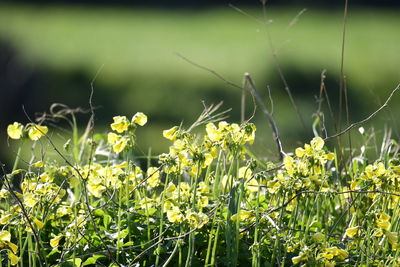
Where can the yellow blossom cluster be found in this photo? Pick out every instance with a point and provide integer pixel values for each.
(178, 206)
(321, 253)
(187, 154)
(210, 182)
(377, 177)
(125, 131)
(230, 136)
(305, 171)
(32, 130)
(99, 178)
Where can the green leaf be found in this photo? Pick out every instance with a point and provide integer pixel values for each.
(98, 137)
(106, 220)
(77, 262)
(98, 212)
(92, 260)
(52, 252)
(315, 225)
(123, 233)
(127, 244)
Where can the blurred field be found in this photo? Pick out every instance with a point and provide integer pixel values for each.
(142, 73)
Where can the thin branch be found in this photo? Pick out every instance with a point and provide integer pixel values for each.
(295, 20)
(331, 193)
(219, 76)
(343, 89)
(279, 68)
(241, 11)
(366, 119)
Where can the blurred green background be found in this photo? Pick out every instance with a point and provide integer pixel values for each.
(51, 53)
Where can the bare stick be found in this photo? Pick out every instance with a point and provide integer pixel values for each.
(366, 119)
(243, 100)
(269, 116)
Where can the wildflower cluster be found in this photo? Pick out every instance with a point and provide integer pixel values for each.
(125, 131)
(207, 201)
(305, 171)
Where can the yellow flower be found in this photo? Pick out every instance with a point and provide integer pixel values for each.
(170, 134)
(5, 236)
(375, 170)
(351, 232)
(139, 118)
(245, 172)
(250, 133)
(243, 215)
(202, 219)
(208, 160)
(153, 175)
(55, 240)
(38, 223)
(196, 220)
(300, 152)
(330, 156)
(383, 221)
(38, 164)
(203, 188)
(5, 219)
(123, 164)
(203, 201)
(253, 185)
(112, 138)
(354, 186)
(331, 252)
(36, 131)
(393, 238)
(95, 189)
(380, 169)
(14, 130)
(30, 200)
(170, 191)
(174, 214)
(120, 124)
(168, 205)
(378, 232)
(273, 186)
(13, 258)
(317, 143)
(289, 165)
(194, 170)
(120, 144)
(13, 247)
(297, 259)
(213, 133)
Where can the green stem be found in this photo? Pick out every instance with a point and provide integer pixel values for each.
(161, 222)
(177, 245)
